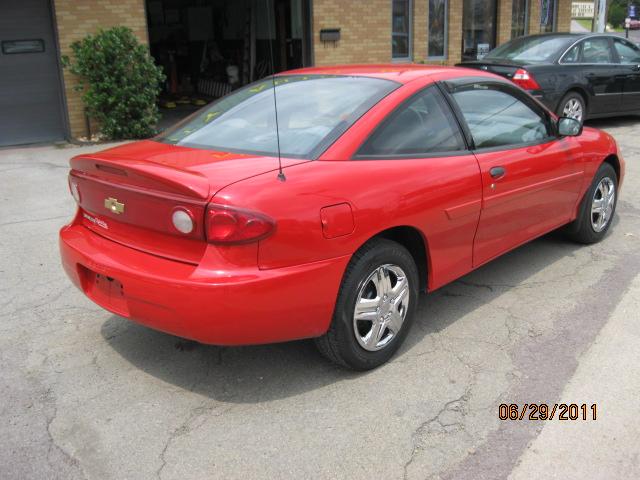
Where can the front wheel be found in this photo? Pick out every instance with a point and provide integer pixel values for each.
(597, 208)
(375, 306)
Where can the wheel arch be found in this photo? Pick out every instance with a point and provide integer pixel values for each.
(614, 161)
(579, 90)
(416, 243)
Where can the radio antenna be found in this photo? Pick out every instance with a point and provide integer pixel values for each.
(281, 176)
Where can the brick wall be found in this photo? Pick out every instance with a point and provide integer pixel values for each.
(365, 32)
(77, 19)
(455, 32)
(564, 16)
(505, 10)
(420, 26)
(365, 29)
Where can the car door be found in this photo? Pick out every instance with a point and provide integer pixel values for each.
(530, 178)
(602, 75)
(629, 58)
(418, 155)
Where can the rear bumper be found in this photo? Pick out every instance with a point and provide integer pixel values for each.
(222, 306)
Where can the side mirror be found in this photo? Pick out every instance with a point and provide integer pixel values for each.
(569, 127)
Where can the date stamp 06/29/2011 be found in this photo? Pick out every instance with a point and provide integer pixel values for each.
(544, 411)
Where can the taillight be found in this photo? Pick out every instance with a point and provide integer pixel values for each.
(525, 80)
(234, 225)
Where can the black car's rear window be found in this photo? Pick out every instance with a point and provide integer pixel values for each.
(313, 111)
(532, 49)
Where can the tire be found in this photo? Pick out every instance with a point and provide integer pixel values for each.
(586, 228)
(572, 102)
(353, 343)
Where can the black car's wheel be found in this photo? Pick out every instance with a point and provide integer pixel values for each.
(597, 208)
(573, 105)
(375, 306)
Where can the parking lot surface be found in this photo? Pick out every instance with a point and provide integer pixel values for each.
(87, 394)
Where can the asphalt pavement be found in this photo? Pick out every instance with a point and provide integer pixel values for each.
(87, 394)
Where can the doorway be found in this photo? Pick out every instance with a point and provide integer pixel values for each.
(208, 48)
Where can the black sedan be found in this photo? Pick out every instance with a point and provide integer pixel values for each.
(578, 75)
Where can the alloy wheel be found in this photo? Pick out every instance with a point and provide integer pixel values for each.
(573, 109)
(602, 204)
(381, 307)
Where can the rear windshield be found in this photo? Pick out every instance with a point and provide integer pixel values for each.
(313, 111)
(531, 49)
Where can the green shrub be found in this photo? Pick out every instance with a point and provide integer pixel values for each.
(120, 82)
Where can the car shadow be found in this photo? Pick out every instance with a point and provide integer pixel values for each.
(613, 122)
(267, 372)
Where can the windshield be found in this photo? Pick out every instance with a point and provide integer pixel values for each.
(313, 111)
(531, 49)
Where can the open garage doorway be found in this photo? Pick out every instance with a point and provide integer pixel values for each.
(208, 48)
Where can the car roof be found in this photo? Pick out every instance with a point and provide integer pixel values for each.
(401, 73)
(575, 35)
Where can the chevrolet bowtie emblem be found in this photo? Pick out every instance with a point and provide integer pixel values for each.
(114, 205)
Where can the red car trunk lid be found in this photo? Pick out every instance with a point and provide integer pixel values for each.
(129, 193)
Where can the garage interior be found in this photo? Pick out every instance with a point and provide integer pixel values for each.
(208, 48)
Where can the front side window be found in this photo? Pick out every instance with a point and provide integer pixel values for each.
(596, 50)
(497, 118)
(420, 126)
(401, 30)
(627, 52)
(313, 111)
(437, 28)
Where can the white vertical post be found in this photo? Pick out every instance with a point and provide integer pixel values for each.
(602, 16)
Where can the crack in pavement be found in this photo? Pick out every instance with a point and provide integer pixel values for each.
(185, 428)
(53, 444)
(35, 220)
(456, 405)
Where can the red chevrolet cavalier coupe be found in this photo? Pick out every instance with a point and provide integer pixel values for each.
(394, 180)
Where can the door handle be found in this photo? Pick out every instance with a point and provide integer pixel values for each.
(497, 172)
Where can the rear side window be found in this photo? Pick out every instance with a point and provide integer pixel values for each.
(596, 50)
(573, 55)
(421, 126)
(628, 53)
(497, 118)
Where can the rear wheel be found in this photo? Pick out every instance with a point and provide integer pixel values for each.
(597, 208)
(573, 105)
(375, 306)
